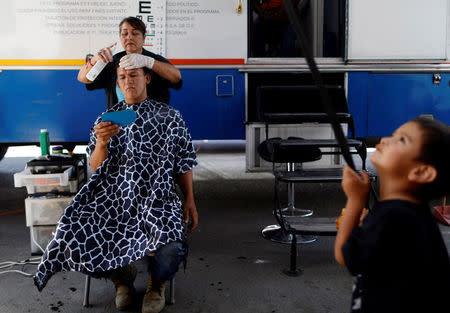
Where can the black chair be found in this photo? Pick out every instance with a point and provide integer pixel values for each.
(297, 105)
(270, 151)
(319, 226)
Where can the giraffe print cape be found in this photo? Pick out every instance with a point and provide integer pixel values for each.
(129, 207)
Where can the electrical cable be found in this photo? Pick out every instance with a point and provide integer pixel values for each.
(8, 264)
(324, 97)
(30, 261)
(24, 262)
(35, 242)
(17, 271)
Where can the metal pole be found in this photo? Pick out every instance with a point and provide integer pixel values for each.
(172, 291)
(87, 287)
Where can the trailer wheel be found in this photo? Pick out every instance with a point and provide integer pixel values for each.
(3, 150)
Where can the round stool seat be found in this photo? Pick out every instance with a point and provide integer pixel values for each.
(271, 152)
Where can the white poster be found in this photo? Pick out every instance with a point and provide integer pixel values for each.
(199, 29)
(153, 13)
(70, 29)
(62, 32)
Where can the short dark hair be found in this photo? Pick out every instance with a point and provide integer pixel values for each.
(136, 23)
(435, 151)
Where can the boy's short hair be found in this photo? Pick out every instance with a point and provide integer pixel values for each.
(435, 150)
(136, 23)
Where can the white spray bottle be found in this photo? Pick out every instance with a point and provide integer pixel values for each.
(99, 65)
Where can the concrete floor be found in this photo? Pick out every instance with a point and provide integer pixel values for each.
(231, 268)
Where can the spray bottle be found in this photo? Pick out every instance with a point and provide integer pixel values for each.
(99, 65)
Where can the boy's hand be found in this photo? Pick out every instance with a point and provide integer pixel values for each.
(355, 187)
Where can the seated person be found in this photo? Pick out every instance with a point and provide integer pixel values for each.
(129, 209)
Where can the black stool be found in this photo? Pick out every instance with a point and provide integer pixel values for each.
(295, 105)
(270, 150)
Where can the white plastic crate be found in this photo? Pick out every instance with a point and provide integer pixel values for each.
(72, 188)
(42, 235)
(26, 178)
(43, 211)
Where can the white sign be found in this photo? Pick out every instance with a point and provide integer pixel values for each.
(198, 29)
(153, 13)
(69, 29)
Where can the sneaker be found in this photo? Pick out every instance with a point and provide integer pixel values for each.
(154, 299)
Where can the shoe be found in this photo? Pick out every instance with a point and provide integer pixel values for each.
(154, 299)
(123, 279)
(124, 296)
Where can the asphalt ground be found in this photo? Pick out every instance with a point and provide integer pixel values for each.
(231, 268)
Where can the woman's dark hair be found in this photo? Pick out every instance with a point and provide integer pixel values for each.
(435, 151)
(136, 23)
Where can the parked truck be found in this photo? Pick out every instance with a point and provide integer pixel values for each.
(392, 57)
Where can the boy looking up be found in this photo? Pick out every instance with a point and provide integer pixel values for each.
(397, 255)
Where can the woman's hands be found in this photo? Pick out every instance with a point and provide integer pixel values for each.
(134, 60)
(105, 54)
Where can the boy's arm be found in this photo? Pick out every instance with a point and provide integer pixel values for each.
(356, 189)
(190, 210)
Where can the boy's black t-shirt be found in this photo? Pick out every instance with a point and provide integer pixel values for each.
(157, 89)
(399, 260)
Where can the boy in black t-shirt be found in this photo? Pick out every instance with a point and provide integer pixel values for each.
(397, 253)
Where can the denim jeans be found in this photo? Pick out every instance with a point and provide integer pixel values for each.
(164, 264)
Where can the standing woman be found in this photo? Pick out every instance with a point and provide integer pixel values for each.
(132, 37)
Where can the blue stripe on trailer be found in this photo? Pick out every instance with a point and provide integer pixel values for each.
(54, 99)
